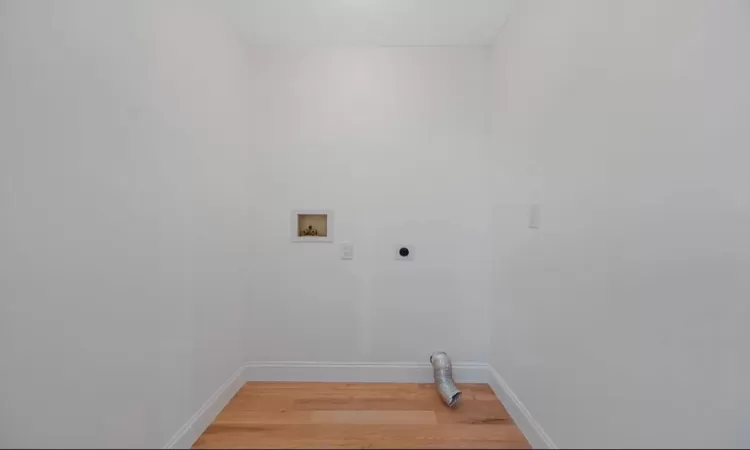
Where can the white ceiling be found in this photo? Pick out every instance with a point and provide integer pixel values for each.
(369, 22)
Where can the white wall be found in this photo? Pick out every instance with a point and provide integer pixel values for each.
(623, 320)
(124, 219)
(149, 165)
(393, 140)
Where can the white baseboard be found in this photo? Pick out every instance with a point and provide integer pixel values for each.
(359, 372)
(521, 416)
(192, 430)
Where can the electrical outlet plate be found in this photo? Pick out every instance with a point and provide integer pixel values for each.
(346, 250)
(534, 216)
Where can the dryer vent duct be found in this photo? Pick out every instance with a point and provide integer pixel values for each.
(441, 365)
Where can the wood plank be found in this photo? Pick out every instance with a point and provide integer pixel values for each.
(358, 404)
(479, 392)
(374, 417)
(318, 393)
(473, 412)
(395, 390)
(261, 403)
(241, 442)
(327, 386)
(233, 416)
(315, 435)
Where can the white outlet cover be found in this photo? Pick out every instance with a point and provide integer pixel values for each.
(397, 254)
(346, 250)
(534, 216)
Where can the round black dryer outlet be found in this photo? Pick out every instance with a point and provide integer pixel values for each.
(403, 252)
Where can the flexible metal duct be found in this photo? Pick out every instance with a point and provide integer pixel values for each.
(441, 365)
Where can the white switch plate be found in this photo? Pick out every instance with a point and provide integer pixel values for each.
(534, 216)
(346, 250)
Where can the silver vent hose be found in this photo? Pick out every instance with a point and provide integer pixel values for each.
(441, 364)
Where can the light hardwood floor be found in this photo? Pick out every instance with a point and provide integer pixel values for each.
(360, 415)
